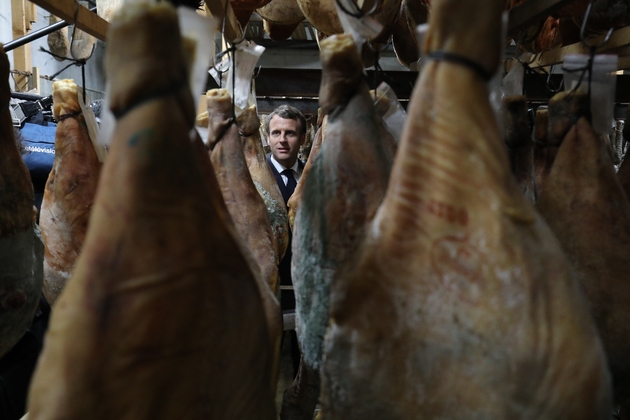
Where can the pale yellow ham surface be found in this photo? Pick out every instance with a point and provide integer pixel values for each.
(69, 192)
(585, 205)
(162, 318)
(21, 249)
(459, 303)
(266, 184)
(246, 208)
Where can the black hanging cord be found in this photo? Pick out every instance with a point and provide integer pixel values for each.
(69, 115)
(119, 113)
(356, 14)
(441, 55)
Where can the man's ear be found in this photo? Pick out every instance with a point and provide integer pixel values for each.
(302, 139)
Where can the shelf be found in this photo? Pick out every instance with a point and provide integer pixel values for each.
(619, 41)
(87, 21)
(531, 12)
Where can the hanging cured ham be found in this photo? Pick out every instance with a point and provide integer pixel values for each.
(21, 248)
(58, 40)
(322, 14)
(294, 201)
(280, 18)
(243, 9)
(243, 201)
(519, 144)
(459, 303)
(246, 207)
(69, 192)
(343, 189)
(162, 318)
(264, 181)
(585, 205)
(282, 12)
(544, 151)
(404, 39)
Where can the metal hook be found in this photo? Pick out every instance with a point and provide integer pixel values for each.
(548, 84)
(74, 31)
(583, 29)
(244, 32)
(256, 72)
(360, 13)
(357, 15)
(533, 57)
(378, 51)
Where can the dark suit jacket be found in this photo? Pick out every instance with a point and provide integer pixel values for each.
(287, 300)
(283, 188)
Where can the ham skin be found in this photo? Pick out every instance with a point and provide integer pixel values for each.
(585, 205)
(264, 181)
(21, 248)
(459, 303)
(69, 192)
(162, 318)
(247, 210)
(341, 193)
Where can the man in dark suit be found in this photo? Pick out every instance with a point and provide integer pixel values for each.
(286, 131)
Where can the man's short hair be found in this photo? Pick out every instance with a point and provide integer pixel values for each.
(288, 112)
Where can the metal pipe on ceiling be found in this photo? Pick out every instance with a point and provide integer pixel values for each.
(11, 45)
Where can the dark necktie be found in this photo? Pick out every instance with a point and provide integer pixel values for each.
(291, 183)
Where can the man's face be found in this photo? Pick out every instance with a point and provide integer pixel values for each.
(285, 140)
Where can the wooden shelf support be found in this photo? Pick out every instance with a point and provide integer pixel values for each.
(619, 43)
(533, 11)
(87, 21)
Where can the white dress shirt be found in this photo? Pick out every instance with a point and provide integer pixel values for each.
(279, 167)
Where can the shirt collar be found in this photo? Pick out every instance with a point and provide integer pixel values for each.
(280, 167)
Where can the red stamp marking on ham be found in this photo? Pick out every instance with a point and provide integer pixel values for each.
(452, 214)
(458, 265)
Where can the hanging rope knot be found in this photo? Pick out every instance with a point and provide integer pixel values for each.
(69, 115)
(81, 62)
(159, 93)
(441, 55)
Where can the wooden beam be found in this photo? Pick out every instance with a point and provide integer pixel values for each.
(86, 21)
(28, 12)
(21, 55)
(619, 40)
(222, 11)
(35, 82)
(531, 12)
(624, 63)
(294, 83)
